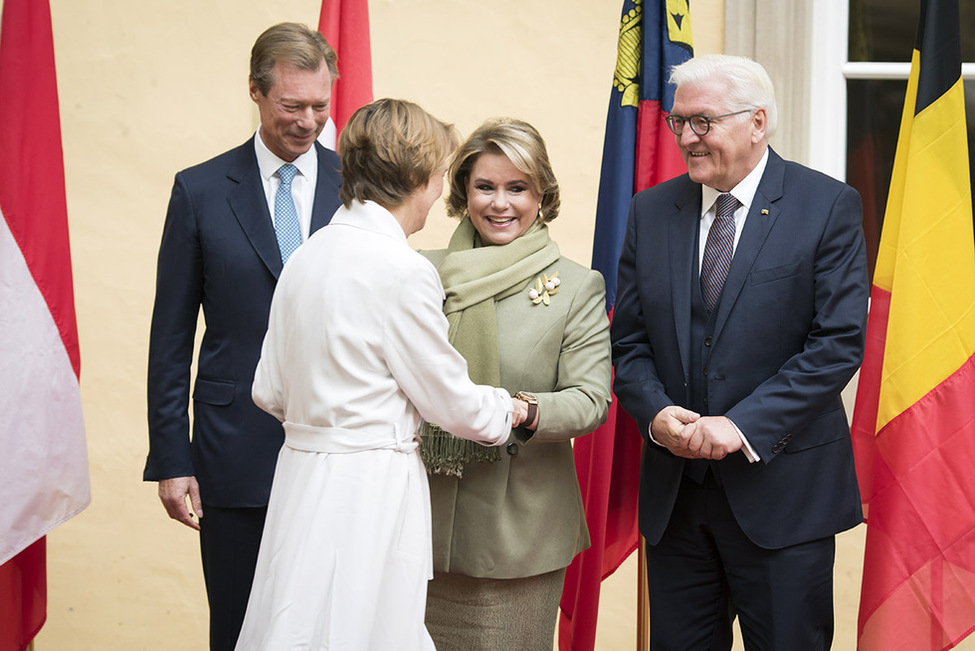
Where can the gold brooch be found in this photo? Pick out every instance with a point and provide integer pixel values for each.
(545, 287)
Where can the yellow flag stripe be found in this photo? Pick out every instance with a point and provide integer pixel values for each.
(927, 253)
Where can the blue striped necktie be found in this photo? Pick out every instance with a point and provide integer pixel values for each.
(286, 224)
(718, 250)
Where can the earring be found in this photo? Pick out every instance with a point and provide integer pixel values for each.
(541, 215)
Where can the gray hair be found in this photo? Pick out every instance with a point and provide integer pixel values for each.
(748, 84)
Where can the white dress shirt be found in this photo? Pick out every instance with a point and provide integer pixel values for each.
(302, 186)
(744, 192)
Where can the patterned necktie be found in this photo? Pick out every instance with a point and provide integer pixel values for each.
(718, 250)
(286, 224)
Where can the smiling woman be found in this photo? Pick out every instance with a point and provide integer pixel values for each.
(531, 321)
(147, 90)
(501, 199)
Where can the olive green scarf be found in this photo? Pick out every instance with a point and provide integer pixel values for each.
(474, 278)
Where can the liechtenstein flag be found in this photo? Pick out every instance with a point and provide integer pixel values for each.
(639, 151)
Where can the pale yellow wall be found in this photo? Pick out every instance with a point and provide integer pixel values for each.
(147, 89)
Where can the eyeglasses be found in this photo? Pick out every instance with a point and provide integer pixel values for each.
(700, 124)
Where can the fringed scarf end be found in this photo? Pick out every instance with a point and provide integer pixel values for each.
(445, 454)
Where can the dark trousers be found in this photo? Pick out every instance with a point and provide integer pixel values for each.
(229, 542)
(705, 572)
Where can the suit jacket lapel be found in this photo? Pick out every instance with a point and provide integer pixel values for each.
(326, 189)
(683, 263)
(761, 218)
(249, 205)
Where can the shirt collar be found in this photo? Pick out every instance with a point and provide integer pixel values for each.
(268, 163)
(743, 192)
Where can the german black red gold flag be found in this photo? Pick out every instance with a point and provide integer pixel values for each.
(914, 422)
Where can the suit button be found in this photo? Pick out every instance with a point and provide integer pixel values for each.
(512, 449)
(705, 370)
(777, 448)
(707, 341)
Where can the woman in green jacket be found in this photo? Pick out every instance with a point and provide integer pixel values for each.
(508, 520)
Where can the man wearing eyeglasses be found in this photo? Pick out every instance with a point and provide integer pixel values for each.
(739, 318)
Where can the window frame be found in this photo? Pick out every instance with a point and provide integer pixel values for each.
(830, 69)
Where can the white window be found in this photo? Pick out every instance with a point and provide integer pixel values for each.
(861, 52)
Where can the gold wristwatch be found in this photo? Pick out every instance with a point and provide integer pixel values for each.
(532, 402)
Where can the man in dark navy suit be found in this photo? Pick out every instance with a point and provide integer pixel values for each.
(231, 224)
(739, 319)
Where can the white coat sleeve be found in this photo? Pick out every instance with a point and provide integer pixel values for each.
(431, 372)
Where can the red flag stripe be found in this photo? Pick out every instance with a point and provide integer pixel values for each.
(345, 25)
(23, 597)
(43, 460)
(657, 157)
(918, 543)
(32, 170)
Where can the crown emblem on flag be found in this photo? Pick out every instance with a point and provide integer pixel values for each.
(626, 78)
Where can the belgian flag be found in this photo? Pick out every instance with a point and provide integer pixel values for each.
(914, 422)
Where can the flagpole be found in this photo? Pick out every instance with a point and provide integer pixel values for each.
(642, 600)
(654, 36)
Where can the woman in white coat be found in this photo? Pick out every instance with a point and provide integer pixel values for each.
(356, 354)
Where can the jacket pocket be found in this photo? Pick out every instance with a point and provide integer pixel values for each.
(829, 427)
(214, 392)
(761, 276)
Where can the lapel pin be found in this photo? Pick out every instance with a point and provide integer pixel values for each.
(764, 211)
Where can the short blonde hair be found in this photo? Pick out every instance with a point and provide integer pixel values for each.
(523, 146)
(390, 148)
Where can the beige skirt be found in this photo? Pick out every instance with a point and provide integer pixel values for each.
(470, 614)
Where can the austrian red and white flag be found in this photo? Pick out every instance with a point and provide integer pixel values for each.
(43, 458)
(345, 25)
